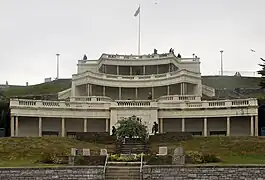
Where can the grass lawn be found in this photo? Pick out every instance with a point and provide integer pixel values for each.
(231, 150)
(25, 152)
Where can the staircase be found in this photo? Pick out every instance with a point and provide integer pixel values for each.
(122, 173)
(132, 148)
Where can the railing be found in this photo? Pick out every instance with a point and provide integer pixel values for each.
(90, 98)
(58, 104)
(136, 77)
(21, 103)
(134, 103)
(209, 104)
(141, 166)
(179, 98)
(105, 166)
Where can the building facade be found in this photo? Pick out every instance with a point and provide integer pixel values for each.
(160, 88)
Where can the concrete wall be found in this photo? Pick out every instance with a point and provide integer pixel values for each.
(204, 172)
(69, 173)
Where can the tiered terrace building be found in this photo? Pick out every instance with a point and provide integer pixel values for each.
(160, 88)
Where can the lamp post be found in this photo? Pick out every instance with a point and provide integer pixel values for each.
(57, 77)
(222, 71)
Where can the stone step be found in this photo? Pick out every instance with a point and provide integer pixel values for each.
(122, 173)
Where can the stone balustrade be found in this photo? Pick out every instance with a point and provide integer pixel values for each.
(179, 98)
(90, 98)
(136, 77)
(188, 102)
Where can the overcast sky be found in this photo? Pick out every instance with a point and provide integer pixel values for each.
(33, 31)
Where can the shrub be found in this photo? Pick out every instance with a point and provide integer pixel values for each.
(195, 157)
(119, 158)
(158, 160)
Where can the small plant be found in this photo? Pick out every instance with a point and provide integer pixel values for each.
(195, 157)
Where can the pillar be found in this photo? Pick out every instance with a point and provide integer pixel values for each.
(251, 126)
(205, 127)
(157, 69)
(12, 126)
(16, 124)
(143, 70)
(118, 70)
(181, 88)
(85, 125)
(88, 89)
(63, 128)
(183, 124)
(256, 126)
(119, 93)
(168, 90)
(169, 69)
(107, 125)
(161, 127)
(228, 129)
(153, 93)
(104, 91)
(136, 93)
(40, 126)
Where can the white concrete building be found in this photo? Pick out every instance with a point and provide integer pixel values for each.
(157, 88)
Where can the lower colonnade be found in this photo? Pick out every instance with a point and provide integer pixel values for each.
(22, 126)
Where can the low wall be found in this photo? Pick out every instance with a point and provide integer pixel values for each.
(60, 173)
(204, 172)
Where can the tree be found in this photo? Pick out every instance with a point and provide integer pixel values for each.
(262, 73)
(131, 127)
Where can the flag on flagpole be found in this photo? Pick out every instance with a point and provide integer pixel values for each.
(137, 12)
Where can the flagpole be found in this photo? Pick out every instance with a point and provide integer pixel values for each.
(139, 33)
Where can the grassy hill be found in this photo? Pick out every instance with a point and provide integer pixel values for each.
(231, 150)
(218, 82)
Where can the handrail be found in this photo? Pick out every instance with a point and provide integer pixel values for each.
(105, 166)
(141, 166)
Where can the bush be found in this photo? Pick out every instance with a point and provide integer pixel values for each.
(158, 160)
(119, 158)
(53, 158)
(170, 137)
(195, 157)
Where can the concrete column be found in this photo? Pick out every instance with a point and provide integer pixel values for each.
(143, 70)
(184, 89)
(136, 93)
(183, 124)
(130, 70)
(107, 125)
(88, 89)
(256, 126)
(228, 129)
(63, 128)
(251, 126)
(169, 69)
(85, 125)
(205, 127)
(118, 70)
(73, 88)
(153, 93)
(16, 128)
(161, 127)
(181, 88)
(168, 90)
(157, 69)
(12, 126)
(104, 91)
(119, 93)
(40, 126)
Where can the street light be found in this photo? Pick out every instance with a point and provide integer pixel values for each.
(57, 66)
(222, 71)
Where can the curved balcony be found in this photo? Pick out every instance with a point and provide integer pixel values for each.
(150, 59)
(179, 76)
